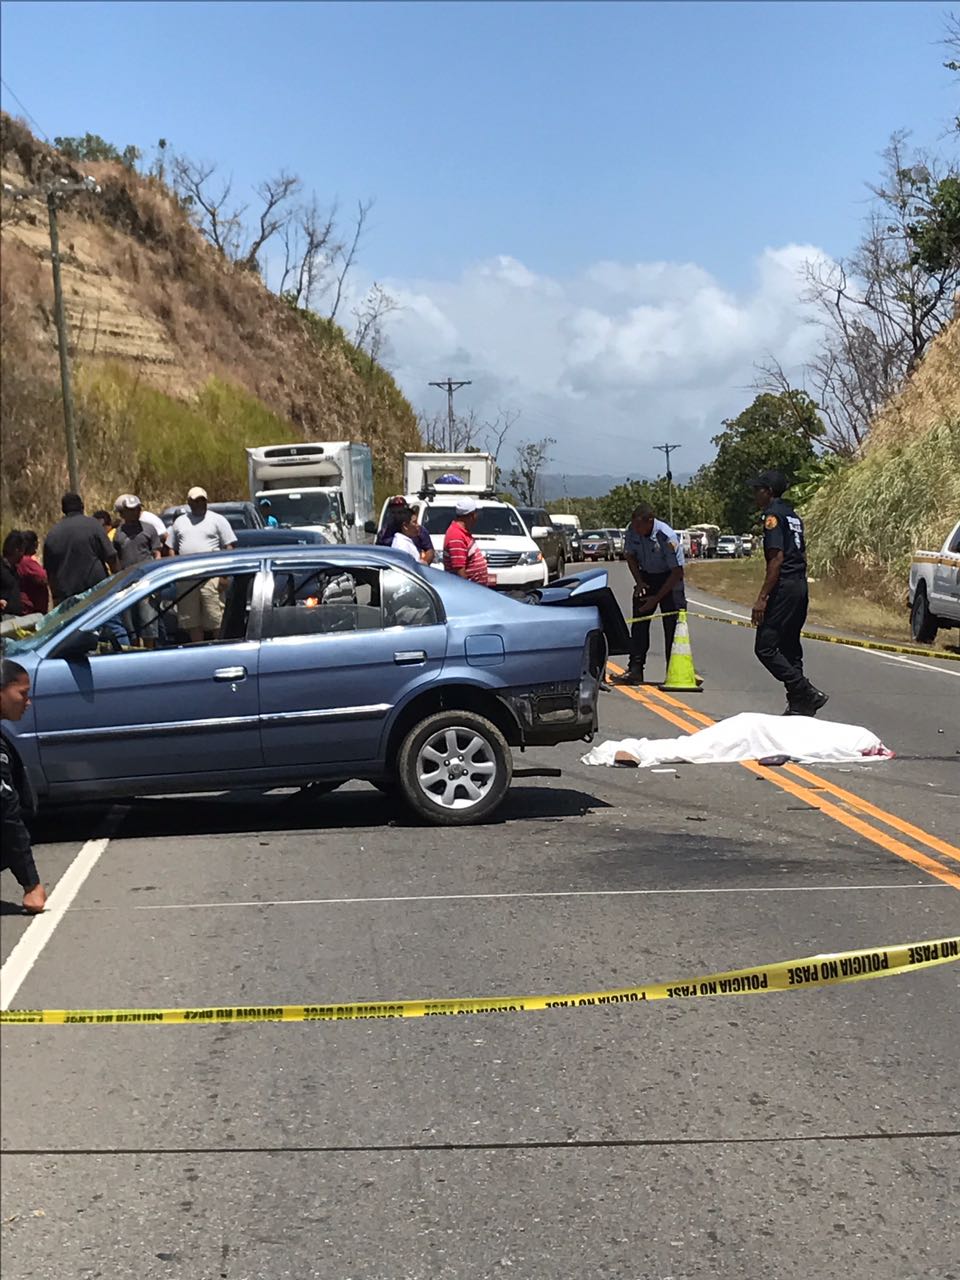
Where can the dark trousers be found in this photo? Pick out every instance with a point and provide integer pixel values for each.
(640, 631)
(777, 644)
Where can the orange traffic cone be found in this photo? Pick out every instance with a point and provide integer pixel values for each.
(681, 673)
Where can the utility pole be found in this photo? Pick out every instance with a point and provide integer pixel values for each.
(450, 387)
(666, 450)
(51, 192)
(61, 322)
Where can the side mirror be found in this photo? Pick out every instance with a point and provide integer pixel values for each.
(351, 520)
(370, 527)
(79, 644)
(540, 531)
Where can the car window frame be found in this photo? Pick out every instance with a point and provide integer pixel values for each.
(345, 566)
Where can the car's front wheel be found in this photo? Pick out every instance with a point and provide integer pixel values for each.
(454, 768)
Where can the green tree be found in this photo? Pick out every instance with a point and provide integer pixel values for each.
(774, 431)
(935, 230)
(92, 147)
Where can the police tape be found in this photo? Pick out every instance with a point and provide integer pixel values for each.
(878, 645)
(788, 975)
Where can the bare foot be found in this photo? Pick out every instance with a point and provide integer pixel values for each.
(34, 899)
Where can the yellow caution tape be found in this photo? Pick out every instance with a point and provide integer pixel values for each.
(879, 646)
(789, 975)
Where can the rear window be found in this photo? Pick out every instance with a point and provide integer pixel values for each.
(490, 521)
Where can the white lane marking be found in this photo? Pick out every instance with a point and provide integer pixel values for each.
(870, 653)
(480, 897)
(25, 954)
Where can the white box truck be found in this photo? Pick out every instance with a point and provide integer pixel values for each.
(324, 485)
(449, 472)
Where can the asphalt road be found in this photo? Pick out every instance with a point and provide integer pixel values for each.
(809, 1134)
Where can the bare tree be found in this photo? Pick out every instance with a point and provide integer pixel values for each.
(347, 256)
(532, 456)
(470, 431)
(211, 210)
(310, 247)
(369, 316)
(275, 194)
(878, 310)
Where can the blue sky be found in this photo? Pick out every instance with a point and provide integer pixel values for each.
(516, 147)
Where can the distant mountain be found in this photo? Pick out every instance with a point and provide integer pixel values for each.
(577, 486)
(573, 486)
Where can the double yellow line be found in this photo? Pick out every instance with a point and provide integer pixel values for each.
(842, 806)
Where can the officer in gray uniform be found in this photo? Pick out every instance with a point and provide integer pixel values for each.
(655, 558)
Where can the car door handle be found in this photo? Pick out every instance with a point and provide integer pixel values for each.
(230, 673)
(410, 657)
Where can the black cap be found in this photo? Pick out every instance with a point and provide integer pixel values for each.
(775, 481)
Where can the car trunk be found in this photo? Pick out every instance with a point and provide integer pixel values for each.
(586, 589)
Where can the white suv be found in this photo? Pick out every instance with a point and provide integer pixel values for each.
(513, 558)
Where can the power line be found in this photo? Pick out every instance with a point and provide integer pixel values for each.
(31, 118)
(450, 387)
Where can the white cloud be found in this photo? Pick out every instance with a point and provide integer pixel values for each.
(621, 355)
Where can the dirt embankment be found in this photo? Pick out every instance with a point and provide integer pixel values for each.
(160, 324)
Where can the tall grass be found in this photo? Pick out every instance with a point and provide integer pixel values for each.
(865, 522)
(133, 438)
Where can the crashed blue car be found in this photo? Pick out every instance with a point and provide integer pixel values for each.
(285, 666)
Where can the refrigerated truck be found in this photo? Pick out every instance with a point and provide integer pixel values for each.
(473, 473)
(322, 485)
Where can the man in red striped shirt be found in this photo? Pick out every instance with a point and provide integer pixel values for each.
(461, 555)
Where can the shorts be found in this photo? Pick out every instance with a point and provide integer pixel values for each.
(141, 620)
(201, 607)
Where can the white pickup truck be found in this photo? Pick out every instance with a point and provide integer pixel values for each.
(935, 588)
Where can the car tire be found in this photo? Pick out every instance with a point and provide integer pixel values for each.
(923, 624)
(483, 755)
(561, 566)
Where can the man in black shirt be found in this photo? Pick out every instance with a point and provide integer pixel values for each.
(77, 554)
(781, 607)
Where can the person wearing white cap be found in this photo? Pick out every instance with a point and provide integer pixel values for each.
(195, 532)
(127, 501)
(461, 555)
(137, 541)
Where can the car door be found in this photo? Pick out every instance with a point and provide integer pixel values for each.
(124, 711)
(946, 579)
(342, 644)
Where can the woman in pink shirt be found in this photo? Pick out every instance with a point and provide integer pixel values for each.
(34, 588)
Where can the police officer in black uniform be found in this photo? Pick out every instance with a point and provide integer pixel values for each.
(781, 607)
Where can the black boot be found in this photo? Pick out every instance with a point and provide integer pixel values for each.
(633, 675)
(809, 704)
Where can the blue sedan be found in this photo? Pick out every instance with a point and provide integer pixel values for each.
(289, 665)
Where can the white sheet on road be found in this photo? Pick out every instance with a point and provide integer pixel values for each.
(749, 736)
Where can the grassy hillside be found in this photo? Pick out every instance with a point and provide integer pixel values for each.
(181, 358)
(864, 523)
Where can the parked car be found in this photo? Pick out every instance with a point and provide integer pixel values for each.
(617, 541)
(746, 544)
(934, 591)
(574, 546)
(329, 663)
(281, 538)
(548, 537)
(596, 545)
(728, 545)
(241, 515)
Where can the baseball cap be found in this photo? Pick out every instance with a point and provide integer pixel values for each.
(261, 502)
(128, 502)
(776, 481)
(196, 492)
(466, 506)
